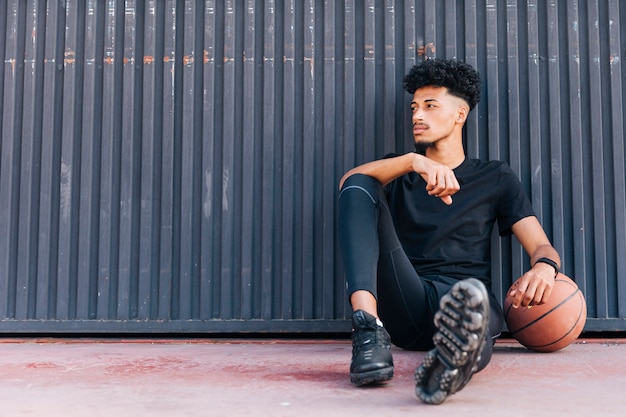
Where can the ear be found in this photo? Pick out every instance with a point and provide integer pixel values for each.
(462, 113)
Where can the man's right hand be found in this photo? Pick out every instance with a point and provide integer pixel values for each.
(440, 179)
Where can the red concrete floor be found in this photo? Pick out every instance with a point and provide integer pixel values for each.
(202, 377)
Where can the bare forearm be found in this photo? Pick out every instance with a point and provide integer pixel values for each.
(534, 240)
(545, 251)
(440, 179)
(384, 170)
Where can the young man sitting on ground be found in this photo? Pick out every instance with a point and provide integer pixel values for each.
(415, 232)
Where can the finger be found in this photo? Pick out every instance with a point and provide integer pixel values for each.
(546, 295)
(529, 296)
(517, 293)
(435, 190)
(446, 199)
(436, 185)
(537, 297)
(450, 184)
(454, 183)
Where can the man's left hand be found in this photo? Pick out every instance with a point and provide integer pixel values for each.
(534, 287)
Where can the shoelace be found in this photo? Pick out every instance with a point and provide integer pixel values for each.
(366, 339)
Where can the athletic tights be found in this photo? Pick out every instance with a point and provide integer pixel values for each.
(375, 261)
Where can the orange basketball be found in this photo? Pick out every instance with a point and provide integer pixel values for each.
(551, 326)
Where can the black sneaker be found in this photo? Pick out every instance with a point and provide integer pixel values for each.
(461, 323)
(371, 357)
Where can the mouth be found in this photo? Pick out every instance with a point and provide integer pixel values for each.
(419, 128)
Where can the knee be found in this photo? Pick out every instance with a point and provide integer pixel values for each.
(368, 184)
(364, 185)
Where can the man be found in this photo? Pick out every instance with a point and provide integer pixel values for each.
(415, 232)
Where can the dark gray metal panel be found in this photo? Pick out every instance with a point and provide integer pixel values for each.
(173, 165)
(617, 190)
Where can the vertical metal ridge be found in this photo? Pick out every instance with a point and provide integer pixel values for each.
(615, 75)
(190, 148)
(576, 151)
(249, 147)
(597, 149)
(331, 133)
(149, 235)
(90, 157)
(470, 49)
(308, 158)
(270, 188)
(5, 111)
(286, 156)
(131, 159)
(168, 266)
(22, 140)
(8, 199)
(68, 165)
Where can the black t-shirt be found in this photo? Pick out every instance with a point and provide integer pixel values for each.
(454, 240)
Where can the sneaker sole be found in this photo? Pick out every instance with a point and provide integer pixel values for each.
(376, 376)
(461, 324)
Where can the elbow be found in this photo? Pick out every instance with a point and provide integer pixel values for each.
(345, 177)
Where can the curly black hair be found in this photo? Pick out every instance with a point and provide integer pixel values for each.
(461, 79)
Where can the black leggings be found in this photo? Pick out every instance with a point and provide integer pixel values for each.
(375, 261)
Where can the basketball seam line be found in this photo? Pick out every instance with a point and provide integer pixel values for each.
(546, 313)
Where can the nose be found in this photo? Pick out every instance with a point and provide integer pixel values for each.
(417, 115)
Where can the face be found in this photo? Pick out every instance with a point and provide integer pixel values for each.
(436, 114)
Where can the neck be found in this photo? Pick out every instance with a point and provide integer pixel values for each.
(447, 152)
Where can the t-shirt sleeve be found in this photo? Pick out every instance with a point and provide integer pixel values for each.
(514, 204)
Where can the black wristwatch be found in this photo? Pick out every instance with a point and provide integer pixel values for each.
(551, 263)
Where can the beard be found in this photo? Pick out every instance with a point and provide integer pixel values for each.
(421, 147)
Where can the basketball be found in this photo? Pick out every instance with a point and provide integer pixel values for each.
(550, 326)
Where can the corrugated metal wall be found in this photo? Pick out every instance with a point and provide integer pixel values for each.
(172, 166)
